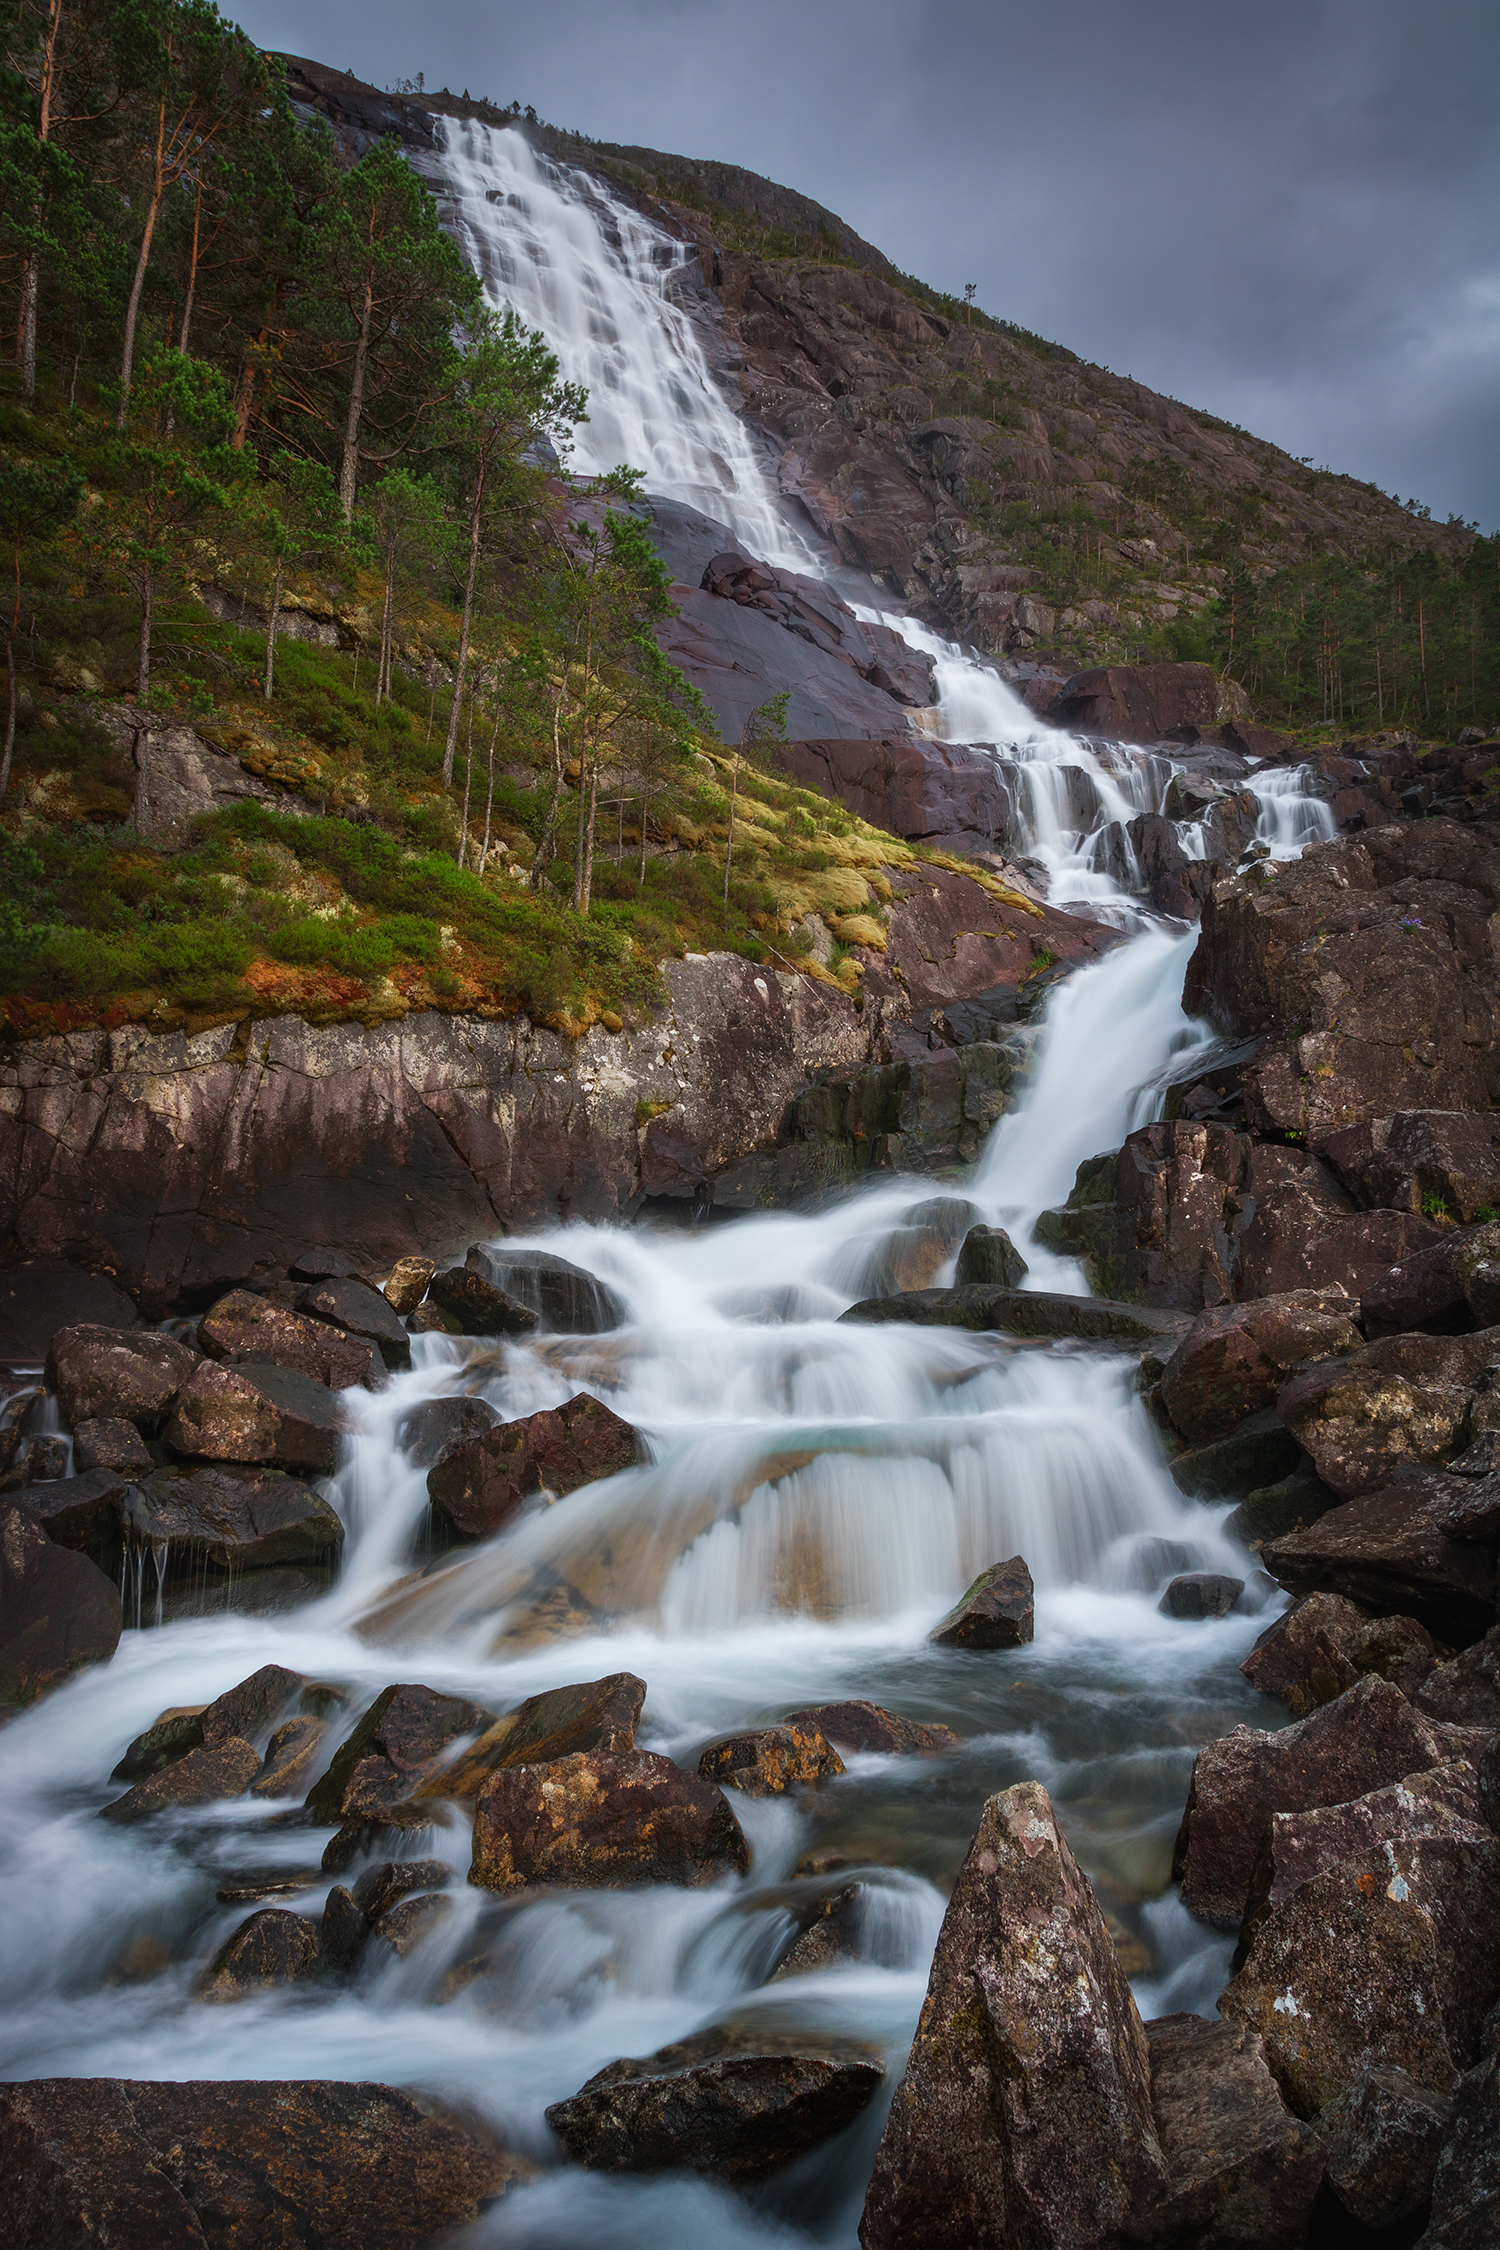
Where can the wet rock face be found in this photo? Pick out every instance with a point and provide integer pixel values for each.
(562, 1295)
(603, 1820)
(998, 1611)
(866, 1727)
(86, 1513)
(126, 1376)
(593, 1715)
(42, 1295)
(1369, 1737)
(989, 1257)
(478, 1483)
(1325, 1643)
(350, 1304)
(476, 1306)
(702, 2106)
(1423, 1546)
(58, 1611)
(1025, 2112)
(204, 1776)
(230, 1519)
(118, 2164)
(425, 1432)
(1235, 1358)
(943, 794)
(1466, 1691)
(396, 1744)
(1399, 1163)
(272, 1947)
(1242, 2171)
(768, 1763)
(250, 1414)
(244, 1326)
(1199, 1594)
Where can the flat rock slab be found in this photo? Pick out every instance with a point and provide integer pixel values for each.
(737, 2116)
(244, 1326)
(1243, 2170)
(352, 1305)
(1020, 1312)
(866, 1727)
(997, 1611)
(1413, 1547)
(58, 1611)
(603, 1820)
(119, 2164)
(273, 1416)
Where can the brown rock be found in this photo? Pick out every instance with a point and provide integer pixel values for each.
(425, 1432)
(117, 1374)
(87, 1513)
(771, 1761)
(343, 1932)
(409, 1923)
(564, 1296)
(603, 1820)
(1466, 1691)
(1402, 1399)
(58, 1611)
(737, 2115)
(1018, 1312)
(1369, 1737)
(113, 2164)
(1145, 702)
(202, 1777)
(352, 1305)
(1324, 1644)
(1422, 1291)
(595, 1715)
(1025, 2112)
(250, 1709)
(231, 1519)
(866, 1727)
(480, 1482)
(251, 1414)
(171, 1737)
(1466, 2184)
(1235, 1358)
(291, 1757)
(1419, 1156)
(996, 1612)
(42, 1295)
(396, 1744)
(477, 1305)
(380, 1888)
(376, 1828)
(990, 1259)
(406, 1284)
(1401, 1549)
(244, 1326)
(1383, 2135)
(110, 1444)
(271, 1947)
(1243, 2172)
(1199, 1594)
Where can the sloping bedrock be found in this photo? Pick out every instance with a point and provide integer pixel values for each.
(939, 793)
(1148, 702)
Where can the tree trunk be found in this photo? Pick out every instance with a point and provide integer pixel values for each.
(187, 310)
(349, 466)
(143, 668)
(489, 799)
(383, 675)
(271, 624)
(588, 834)
(451, 746)
(549, 821)
(10, 667)
(463, 821)
(132, 310)
(244, 401)
(27, 340)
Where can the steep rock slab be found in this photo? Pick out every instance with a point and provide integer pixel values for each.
(1148, 702)
(58, 1611)
(478, 1483)
(119, 2164)
(1025, 2112)
(1235, 1358)
(939, 793)
(603, 1820)
(1466, 2184)
(1243, 2172)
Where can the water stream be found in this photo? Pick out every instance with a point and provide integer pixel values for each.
(815, 1496)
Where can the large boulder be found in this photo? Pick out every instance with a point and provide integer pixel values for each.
(1235, 1358)
(598, 1819)
(997, 1611)
(243, 1326)
(87, 1513)
(733, 2109)
(271, 1947)
(865, 1727)
(58, 1611)
(476, 1307)
(591, 1715)
(771, 1761)
(1423, 1546)
(1418, 1160)
(1384, 2134)
(1148, 702)
(1025, 2111)
(563, 1296)
(1369, 1737)
(1424, 1290)
(479, 1483)
(397, 1742)
(250, 1414)
(118, 2164)
(1401, 1399)
(228, 1520)
(425, 1432)
(130, 1376)
(1465, 1691)
(351, 1304)
(1243, 2173)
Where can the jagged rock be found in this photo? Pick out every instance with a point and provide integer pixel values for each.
(40, 1457)
(1421, 1547)
(1025, 2111)
(406, 1284)
(1369, 1737)
(1201, 1593)
(1243, 2174)
(1466, 1690)
(111, 1444)
(405, 1926)
(1401, 1399)
(243, 1326)
(1018, 1312)
(1259, 1450)
(250, 1709)
(1489, 1785)
(270, 1948)
(204, 1776)
(425, 1432)
(709, 2105)
(594, 1715)
(1391, 1957)
(231, 1520)
(996, 1612)
(86, 1513)
(563, 1296)
(1466, 2184)
(395, 1744)
(1383, 2135)
(479, 1308)
(112, 2164)
(380, 1888)
(250, 1414)
(352, 1305)
(829, 1935)
(1401, 1163)
(602, 1819)
(42, 1295)
(865, 1727)
(989, 1260)
(161, 1744)
(1425, 1290)
(344, 1930)
(376, 1827)
(479, 1483)
(771, 1761)
(1324, 1643)
(291, 1756)
(58, 1611)
(1235, 1358)
(116, 1373)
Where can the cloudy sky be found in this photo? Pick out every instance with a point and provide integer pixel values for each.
(1286, 211)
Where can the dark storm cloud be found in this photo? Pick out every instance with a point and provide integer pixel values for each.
(1281, 210)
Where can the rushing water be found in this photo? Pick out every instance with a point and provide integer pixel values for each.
(814, 1496)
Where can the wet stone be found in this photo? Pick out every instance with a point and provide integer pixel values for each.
(58, 1611)
(425, 1432)
(275, 1416)
(399, 1739)
(117, 1375)
(405, 1285)
(478, 1307)
(251, 1883)
(564, 1296)
(245, 1327)
(1250, 1459)
(231, 1519)
(478, 1483)
(344, 1929)
(380, 1888)
(160, 1746)
(86, 1513)
(376, 1829)
(603, 1820)
(409, 1923)
(865, 1727)
(110, 1443)
(989, 1259)
(320, 1263)
(1200, 1594)
(351, 1304)
(291, 1756)
(592, 1715)
(771, 1761)
(203, 1777)
(273, 1947)
(250, 1708)
(997, 1611)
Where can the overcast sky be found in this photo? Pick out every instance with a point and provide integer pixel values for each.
(1286, 211)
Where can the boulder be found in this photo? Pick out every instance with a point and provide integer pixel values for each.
(479, 1483)
(128, 1376)
(1271, 1511)
(563, 1296)
(865, 1727)
(601, 1819)
(292, 1757)
(1200, 1594)
(1025, 2111)
(996, 1612)
(594, 1715)
(1466, 2183)
(407, 1925)
(771, 1761)
(243, 1326)
(1235, 1358)
(1243, 2173)
(1465, 1691)
(230, 1520)
(383, 1887)
(1324, 1643)
(1417, 1159)
(1258, 1452)
(249, 1710)
(321, 1263)
(479, 1308)
(161, 1744)
(58, 1611)
(1384, 2134)
(40, 1457)
(1402, 1550)
(1147, 702)
(250, 1414)
(202, 1777)
(830, 1934)
(1018, 1312)
(1425, 1290)
(989, 1260)
(405, 1285)
(1401, 1399)
(43, 1295)
(115, 2164)
(737, 2111)
(1391, 1957)
(343, 1931)
(111, 1444)
(1369, 1737)
(361, 1311)
(425, 1432)
(86, 1513)
(397, 1742)
(269, 1948)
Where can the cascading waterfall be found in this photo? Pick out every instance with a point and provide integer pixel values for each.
(814, 1494)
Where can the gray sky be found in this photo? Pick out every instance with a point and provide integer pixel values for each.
(1285, 211)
